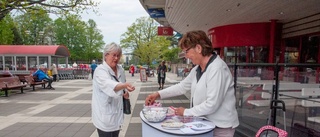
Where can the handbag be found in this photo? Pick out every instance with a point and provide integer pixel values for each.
(126, 105)
(126, 102)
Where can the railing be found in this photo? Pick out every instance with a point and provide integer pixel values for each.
(253, 106)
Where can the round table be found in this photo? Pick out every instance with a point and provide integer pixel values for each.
(155, 130)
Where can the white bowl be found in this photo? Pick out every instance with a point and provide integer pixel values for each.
(155, 114)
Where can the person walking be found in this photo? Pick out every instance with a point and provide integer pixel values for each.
(132, 70)
(93, 67)
(54, 72)
(162, 69)
(211, 85)
(108, 86)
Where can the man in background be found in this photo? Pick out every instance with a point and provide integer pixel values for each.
(93, 66)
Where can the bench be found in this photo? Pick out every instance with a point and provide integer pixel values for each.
(32, 82)
(7, 83)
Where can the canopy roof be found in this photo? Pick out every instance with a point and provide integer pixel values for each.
(183, 15)
(53, 50)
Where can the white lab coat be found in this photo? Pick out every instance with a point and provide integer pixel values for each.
(107, 105)
(212, 97)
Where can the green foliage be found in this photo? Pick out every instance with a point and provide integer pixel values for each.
(70, 31)
(94, 41)
(6, 30)
(141, 38)
(83, 39)
(50, 6)
(35, 27)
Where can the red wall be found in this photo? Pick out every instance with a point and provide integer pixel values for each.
(250, 34)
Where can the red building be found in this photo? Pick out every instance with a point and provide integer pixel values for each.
(249, 31)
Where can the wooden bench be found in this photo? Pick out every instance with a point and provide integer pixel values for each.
(7, 83)
(32, 82)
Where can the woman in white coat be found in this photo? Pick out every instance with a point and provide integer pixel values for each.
(107, 92)
(210, 83)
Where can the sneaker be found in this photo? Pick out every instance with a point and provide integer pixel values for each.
(159, 87)
(52, 88)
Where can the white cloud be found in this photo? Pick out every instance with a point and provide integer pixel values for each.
(115, 16)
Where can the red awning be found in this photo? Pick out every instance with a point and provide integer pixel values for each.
(53, 50)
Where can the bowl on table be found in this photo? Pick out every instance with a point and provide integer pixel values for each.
(155, 114)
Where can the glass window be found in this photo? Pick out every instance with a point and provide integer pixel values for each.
(32, 63)
(9, 62)
(1, 63)
(43, 61)
(21, 63)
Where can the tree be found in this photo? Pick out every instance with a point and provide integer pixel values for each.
(70, 31)
(51, 6)
(141, 37)
(83, 40)
(6, 30)
(35, 27)
(94, 41)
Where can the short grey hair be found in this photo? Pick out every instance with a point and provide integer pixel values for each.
(112, 47)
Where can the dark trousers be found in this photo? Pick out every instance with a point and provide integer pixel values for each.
(108, 134)
(49, 81)
(54, 77)
(161, 80)
(92, 72)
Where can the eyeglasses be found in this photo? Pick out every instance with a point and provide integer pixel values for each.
(186, 51)
(114, 55)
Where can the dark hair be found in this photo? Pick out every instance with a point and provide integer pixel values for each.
(192, 38)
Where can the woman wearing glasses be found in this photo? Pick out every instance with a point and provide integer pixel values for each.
(108, 85)
(210, 83)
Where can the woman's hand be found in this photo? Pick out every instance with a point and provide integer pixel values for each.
(126, 95)
(129, 87)
(151, 98)
(179, 111)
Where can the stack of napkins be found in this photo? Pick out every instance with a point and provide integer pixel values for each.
(195, 126)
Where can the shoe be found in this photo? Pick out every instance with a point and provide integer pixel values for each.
(48, 87)
(52, 88)
(159, 87)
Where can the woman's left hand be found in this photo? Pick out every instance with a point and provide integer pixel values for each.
(126, 95)
(179, 111)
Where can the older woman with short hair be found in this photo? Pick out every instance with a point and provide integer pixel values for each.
(211, 85)
(109, 82)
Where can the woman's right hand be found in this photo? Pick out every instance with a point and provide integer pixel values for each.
(151, 98)
(130, 87)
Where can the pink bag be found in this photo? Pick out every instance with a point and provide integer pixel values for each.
(271, 131)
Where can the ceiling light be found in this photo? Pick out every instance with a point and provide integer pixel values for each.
(228, 10)
(281, 13)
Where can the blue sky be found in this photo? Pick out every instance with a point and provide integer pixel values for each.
(115, 16)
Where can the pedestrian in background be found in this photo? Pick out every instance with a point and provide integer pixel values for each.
(108, 86)
(93, 67)
(162, 70)
(211, 85)
(132, 70)
(54, 72)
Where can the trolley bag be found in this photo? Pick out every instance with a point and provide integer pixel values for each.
(272, 131)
